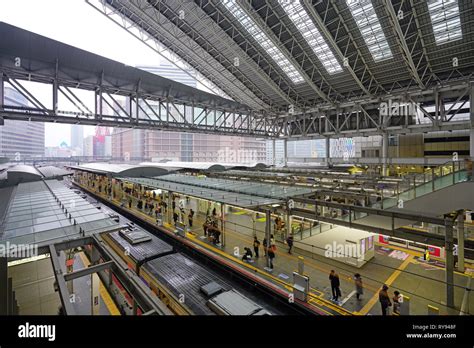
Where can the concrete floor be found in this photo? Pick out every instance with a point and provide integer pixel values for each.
(33, 283)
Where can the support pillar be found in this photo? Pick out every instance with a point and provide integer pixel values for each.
(461, 242)
(223, 224)
(2, 92)
(471, 113)
(328, 151)
(288, 224)
(273, 152)
(267, 234)
(170, 207)
(285, 152)
(3, 285)
(449, 263)
(384, 154)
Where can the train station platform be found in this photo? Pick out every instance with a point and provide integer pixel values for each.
(34, 281)
(399, 268)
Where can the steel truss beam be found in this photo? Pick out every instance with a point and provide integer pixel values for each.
(249, 10)
(400, 36)
(156, 31)
(216, 35)
(150, 111)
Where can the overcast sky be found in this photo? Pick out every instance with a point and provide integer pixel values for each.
(76, 23)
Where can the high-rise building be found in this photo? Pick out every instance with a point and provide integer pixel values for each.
(181, 146)
(20, 139)
(88, 146)
(77, 139)
(279, 152)
(99, 142)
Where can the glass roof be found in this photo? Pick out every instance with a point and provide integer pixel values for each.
(311, 34)
(445, 19)
(366, 19)
(36, 217)
(233, 192)
(263, 40)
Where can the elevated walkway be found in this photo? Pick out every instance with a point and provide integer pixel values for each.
(415, 186)
(436, 203)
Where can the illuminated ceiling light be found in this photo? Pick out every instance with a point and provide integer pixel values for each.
(445, 20)
(300, 18)
(263, 40)
(366, 19)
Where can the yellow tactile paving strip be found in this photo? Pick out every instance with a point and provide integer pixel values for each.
(368, 306)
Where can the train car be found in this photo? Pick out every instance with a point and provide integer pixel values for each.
(183, 285)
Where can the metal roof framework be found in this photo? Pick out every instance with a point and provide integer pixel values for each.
(204, 33)
(345, 104)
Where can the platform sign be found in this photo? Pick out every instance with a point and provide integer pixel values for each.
(434, 251)
(384, 239)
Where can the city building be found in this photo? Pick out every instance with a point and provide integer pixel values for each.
(77, 139)
(182, 146)
(18, 139)
(88, 146)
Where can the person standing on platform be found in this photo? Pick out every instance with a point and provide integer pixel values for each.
(175, 217)
(256, 246)
(384, 299)
(289, 241)
(265, 247)
(335, 284)
(190, 218)
(271, 255)
(397, 302)
(359, 286)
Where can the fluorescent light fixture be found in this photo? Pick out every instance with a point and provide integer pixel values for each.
(263, 40)
(300, 18)
(366, 19)
(445, 20)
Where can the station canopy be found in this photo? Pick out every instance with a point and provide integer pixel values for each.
(45, 212)
(233, 192)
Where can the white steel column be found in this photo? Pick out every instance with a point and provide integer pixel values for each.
(384, 153)
(460, 236)
(328, 151)
(273, 152)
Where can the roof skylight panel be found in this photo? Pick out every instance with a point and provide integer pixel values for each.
(445, 20)
(263, 40)
(300, 18)
(368, 23)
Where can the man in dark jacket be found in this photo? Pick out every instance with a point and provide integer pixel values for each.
(384, 299)
(289, 241)
(256, 245)
(335, 283)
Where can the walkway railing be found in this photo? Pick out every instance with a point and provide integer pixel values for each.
(418, 185)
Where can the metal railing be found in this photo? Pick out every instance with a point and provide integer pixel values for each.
(417, 185)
